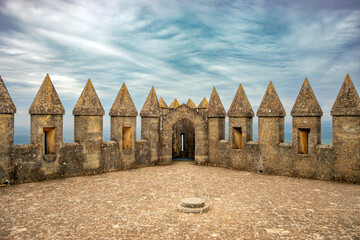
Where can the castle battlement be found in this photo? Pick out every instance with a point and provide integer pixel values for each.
(182, 131)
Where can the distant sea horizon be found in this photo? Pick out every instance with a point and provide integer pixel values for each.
(22, 134)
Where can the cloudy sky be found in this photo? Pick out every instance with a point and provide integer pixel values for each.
(183, 48)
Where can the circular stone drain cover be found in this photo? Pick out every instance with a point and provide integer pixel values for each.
(193, 205)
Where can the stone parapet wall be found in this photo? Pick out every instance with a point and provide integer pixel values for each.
(47, 157)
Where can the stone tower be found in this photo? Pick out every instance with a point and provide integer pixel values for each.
(47, 126)
(123, 126)
(240, 120)
(174, 104)
(190, 103)
(7, 111)
(271, 115)
(306, 121)
(346, 133)
(306, 131)
(150, 125)
(216, 117)
(202, 106)
(164, 106)
(88, 126)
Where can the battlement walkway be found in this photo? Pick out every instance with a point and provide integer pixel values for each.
(141, 204)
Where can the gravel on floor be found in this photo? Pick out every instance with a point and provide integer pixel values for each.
(142, 204)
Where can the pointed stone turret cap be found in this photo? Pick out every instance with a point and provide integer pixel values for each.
(347, 102)
(123, 105)
(6, 103)
(47, 101)
(240, 106)
(162, 103)
(271, 105)
(215, 107)
(203, 103)
(151, 106)
(306, 104)
(89, 103)
(174, 104)
(190, 103)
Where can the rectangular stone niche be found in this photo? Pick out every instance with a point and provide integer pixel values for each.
(126, 143)
(303, 141)
(237, 138)
(49, 141)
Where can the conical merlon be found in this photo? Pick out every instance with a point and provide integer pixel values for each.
(151, 106)
(89, 103)
(306, 104)
(123, 105)
(347, 102)
(204, 103)
(174, 104)
(162, 103)
(271, 105)
(240, 106)
(47, 100)
(190, 103)
(6, 103)
(215, 107)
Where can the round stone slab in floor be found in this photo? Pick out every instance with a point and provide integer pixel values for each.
(193, 202)
(193, 205)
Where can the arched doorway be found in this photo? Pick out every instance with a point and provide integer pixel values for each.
(183, 140)
(200, 125)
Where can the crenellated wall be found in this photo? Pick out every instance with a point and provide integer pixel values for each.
(47, 157)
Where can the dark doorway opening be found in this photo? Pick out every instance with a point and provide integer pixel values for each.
(183, 141)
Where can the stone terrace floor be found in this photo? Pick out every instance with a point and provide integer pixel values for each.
(141, 204)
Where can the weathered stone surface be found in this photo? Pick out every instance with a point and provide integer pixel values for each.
(216, 128)
(123, 105)
(141, 204)
(174, 104)
(187, 132)
(6, 132)
(203, 103)
(193, 202)
(150, 126)
(6, 103)
(38, 124)
(123, 131)
(25, 166)
(270, 134)
(306, 104)
(246, 126)
(170, 126)
(190, 103)
(215, 107)
(183, 140)
(88, 128)
(164, 106)
(240, 106)
(47, 101)
(71, 159)
(151, 106)
(110, 156)
(271, 105)
(162, 103)
(142, 152)
(346, 144)
(193, 205)
(89, 103)
(150, 131)
(325, 160)
(347, 101)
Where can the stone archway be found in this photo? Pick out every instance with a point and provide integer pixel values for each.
(200, 125)
(183, 140)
